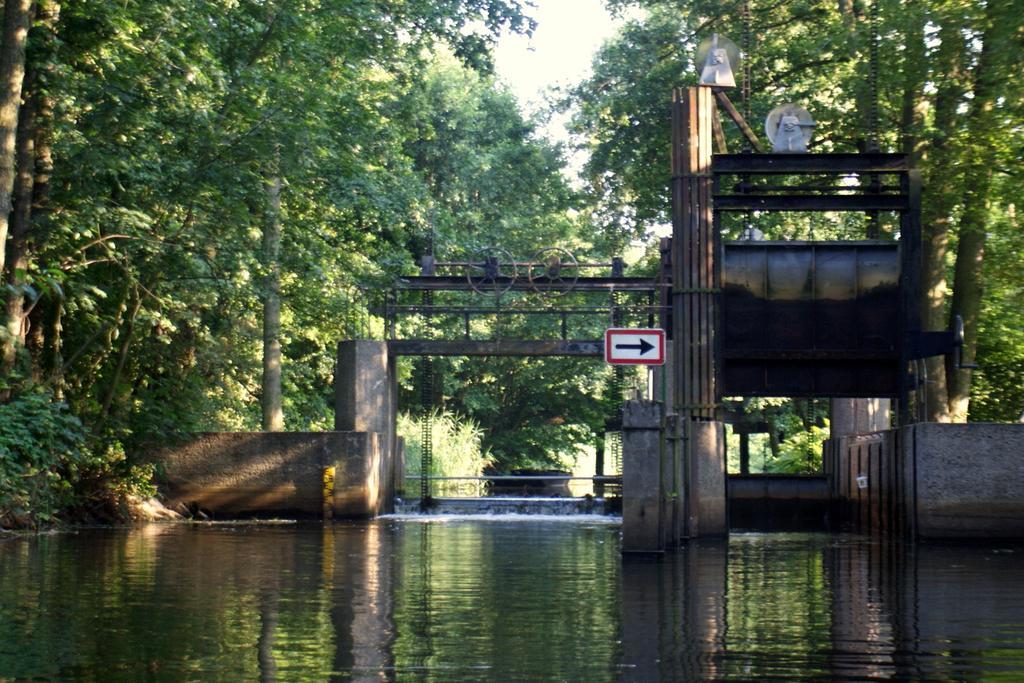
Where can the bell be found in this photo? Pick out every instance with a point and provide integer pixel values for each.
(717, 71)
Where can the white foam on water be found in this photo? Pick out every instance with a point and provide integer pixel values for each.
(443, 518)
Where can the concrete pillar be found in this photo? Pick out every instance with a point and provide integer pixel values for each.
(707, 454)
(673, 476)
(643, 504)
(859, 416)
(365, 399)
(744, 453)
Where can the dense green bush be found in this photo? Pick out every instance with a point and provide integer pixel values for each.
(457, 449)
(47, 468)
(801, 452)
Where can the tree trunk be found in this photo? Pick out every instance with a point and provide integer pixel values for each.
(122, 360)
(53, 354)
(17, 18)
(273, 416)
(941, 197)
(982, 133)
(34, 162)
(20, 220)
(915, 72)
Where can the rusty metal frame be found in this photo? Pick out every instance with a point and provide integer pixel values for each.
(903, 198)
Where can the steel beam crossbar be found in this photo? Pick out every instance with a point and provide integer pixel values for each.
(809, 163)
(516, 347)
(452, 283)
(804, 202)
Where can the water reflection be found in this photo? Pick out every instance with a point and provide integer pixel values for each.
(492, 600)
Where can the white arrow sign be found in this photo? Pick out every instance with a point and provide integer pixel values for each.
(624, 346)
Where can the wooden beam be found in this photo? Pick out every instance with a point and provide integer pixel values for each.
(738, 119)
(716, 123)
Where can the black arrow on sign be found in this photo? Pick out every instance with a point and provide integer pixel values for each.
(644, 346)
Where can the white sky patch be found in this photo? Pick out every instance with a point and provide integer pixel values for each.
(568, 34)
(558, 54)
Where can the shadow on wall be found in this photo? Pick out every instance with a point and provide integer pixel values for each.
(231, 474)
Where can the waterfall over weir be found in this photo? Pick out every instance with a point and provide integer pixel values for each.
(522, 505)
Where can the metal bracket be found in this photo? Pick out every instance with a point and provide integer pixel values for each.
(947, 342)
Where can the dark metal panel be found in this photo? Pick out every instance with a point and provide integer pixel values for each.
(790, 298)
(810, 319)
(809, 354)
(809, 163)
(811, 379)
(743, 298)
(822, 202)
(878, 300)
(835, 295)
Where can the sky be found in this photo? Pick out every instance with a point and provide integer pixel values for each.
(559, 52)
(568, 34)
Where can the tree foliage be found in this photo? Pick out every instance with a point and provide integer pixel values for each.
(947, 95)
(137, 296)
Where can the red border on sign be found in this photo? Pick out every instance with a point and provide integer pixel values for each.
(629, 331)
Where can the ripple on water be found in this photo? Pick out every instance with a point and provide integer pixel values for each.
(499, 598)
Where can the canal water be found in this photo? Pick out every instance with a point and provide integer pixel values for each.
(447, 599)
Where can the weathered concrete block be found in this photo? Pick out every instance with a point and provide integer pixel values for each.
(968, 478)
(643, 504)
(233, 474)
(366, 400)
(708, 453)
(361, 387)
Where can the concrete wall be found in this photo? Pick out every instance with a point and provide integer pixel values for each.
(849, 416)
(969, 479)
(931, 480)
(651, 510)
(235, 474)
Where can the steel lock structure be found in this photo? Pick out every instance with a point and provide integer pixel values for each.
(816, 318)
(805, 319)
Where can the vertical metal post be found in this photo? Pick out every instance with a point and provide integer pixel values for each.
(679, 262)
(693, 276)
(426, 427)
(426, 404)
(744, 453)
(910, 282)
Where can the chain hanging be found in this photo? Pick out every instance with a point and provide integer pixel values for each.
(745, 76)
(873, 56)
(426, 381)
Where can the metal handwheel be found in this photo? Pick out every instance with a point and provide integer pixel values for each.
(553, 270)
(492, 271)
